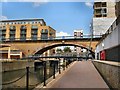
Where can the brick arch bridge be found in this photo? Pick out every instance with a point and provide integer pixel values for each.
(42, 50)
(30, 47)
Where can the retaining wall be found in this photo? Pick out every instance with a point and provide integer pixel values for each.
(110, 71)
(15, 65)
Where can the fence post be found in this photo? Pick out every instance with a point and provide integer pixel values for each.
(59, 67)
(44, 65)
(27, 78)
(64, 64)
(54, 70)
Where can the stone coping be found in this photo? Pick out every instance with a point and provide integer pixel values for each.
(108, 62)
(11, 60)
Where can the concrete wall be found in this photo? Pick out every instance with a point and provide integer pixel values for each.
(15, 65)
(111, 40)
(110, 72)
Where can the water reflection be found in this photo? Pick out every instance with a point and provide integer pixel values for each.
(36, 75)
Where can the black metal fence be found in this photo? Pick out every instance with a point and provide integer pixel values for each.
(29, 78)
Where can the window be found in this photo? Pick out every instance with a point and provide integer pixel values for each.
(98, 15)
(12, 31)
(12, 27)
(32, 22)
(97, 4)
(34, 34)
(12, 34)
(97, 11)
(3, 27)
(34, 27)
(104, 4)
(23, 32)
(44, 34)
(44, 31)
(104, 10)
(105, 15)
(23, 27)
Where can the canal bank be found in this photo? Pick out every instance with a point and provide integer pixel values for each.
(16, 65)
(38, 72)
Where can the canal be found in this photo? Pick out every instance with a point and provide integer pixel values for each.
(16, 79)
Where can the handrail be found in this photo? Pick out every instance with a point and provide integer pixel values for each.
(14, 80)
(52, 38)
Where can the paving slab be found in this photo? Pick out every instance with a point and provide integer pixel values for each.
(82, 74)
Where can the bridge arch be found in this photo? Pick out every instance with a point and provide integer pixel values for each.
(42, 50)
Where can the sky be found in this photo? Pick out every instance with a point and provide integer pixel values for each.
(64, 17)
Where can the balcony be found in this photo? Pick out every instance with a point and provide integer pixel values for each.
(33, 38)
(12, 33)
(2, 32)
(22, 38)
(24, 33)
(2, 39)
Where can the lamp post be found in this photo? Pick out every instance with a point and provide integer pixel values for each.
(63, 42)
(103, 45)
(27, 74)
(44, 65)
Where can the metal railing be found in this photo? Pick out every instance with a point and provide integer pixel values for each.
(53, 38)
(55, 66)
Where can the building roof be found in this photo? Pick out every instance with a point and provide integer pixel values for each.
(22, 20)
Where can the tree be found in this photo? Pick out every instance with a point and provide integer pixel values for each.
(67, 49)
(59, 50)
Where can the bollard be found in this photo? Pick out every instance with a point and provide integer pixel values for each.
(54, 71)
(27, 78)
(44, 65)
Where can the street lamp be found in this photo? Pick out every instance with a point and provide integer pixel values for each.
(63, 42)
(103, 45)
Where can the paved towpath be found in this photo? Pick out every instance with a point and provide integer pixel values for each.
(82, 74)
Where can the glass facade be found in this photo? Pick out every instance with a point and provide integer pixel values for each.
(44, 34)
(100, 9)
(2, 33)
(34, 31)
(23, 30)
(12, 32)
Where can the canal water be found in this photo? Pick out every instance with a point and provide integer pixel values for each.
(17, 78)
